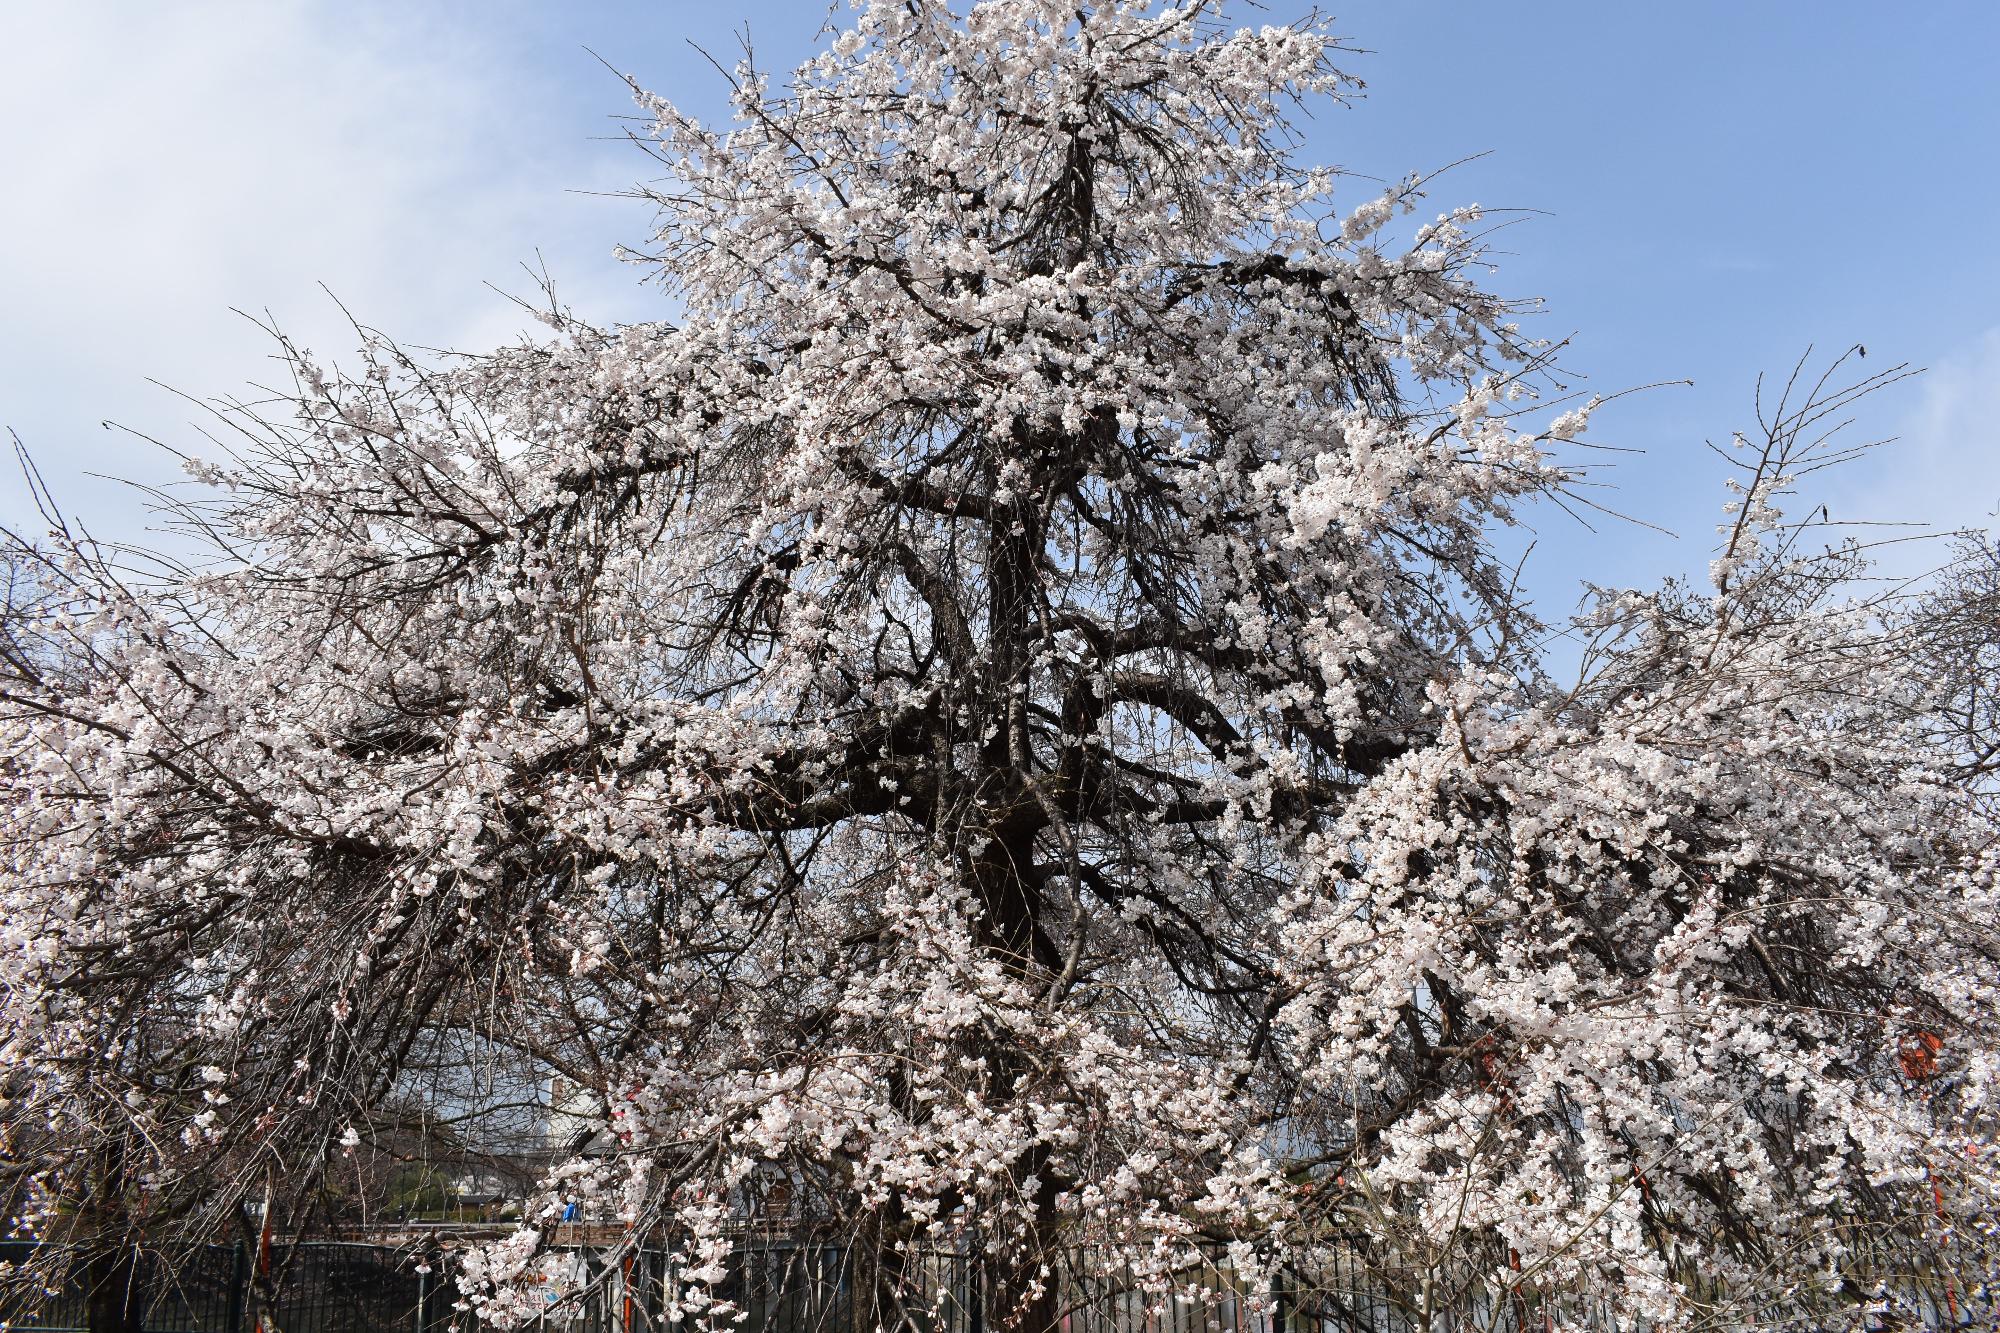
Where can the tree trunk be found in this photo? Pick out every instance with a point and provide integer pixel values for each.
(114, 1301)
(1020, 1297)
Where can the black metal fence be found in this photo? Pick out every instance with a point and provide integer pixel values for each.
(786, 1286)
(321, 1288)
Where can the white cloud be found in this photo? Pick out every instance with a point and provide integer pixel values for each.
(1942, 471)
(164, 163)
(1954, 438)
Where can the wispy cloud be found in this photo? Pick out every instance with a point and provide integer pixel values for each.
(1954, 437)
(167, 162)
(1942, 472)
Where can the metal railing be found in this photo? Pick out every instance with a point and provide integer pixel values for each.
(776, 1285)
(322, 1288)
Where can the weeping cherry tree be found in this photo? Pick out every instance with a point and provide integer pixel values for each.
(1005, 714)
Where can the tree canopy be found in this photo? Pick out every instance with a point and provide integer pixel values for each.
(1005, 711)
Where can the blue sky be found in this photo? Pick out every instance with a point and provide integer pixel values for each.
(1715, 186)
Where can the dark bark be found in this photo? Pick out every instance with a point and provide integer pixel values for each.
(114, 1300)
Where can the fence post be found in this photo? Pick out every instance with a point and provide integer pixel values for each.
(238, 1282)
(423, 1291)
(974, 1297)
